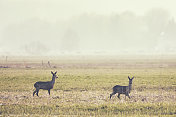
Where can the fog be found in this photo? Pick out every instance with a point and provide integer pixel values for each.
(64, 27)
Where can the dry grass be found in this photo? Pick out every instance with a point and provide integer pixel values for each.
(83, 88)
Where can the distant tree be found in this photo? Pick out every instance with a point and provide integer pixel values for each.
(35, 48)
(70, 41)
(156, 21)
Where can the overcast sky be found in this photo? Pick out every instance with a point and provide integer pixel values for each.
(48, 27)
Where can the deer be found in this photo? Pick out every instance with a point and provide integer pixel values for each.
(122, 89)
(45, 85)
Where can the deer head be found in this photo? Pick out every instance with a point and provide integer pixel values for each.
(130, 79)
(54, 74)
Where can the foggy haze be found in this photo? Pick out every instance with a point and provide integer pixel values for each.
(42, 27)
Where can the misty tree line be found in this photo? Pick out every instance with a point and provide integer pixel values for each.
(153, 31)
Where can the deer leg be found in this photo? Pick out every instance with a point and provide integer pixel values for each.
(113, 93)
(37, 91)
(49, 91)
(118, 96)
(128, 96)
(34, 92)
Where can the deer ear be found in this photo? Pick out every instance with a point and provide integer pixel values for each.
(55, 72)
(133, 77)
(51, 72)
(128, 77)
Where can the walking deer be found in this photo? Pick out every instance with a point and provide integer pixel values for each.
(122, 89)
(45, 85)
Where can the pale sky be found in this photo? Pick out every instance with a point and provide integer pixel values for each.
(64, 9)
(64, 19)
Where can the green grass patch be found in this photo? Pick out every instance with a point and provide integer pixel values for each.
(83, 88)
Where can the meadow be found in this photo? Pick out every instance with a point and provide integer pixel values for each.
(84, 86)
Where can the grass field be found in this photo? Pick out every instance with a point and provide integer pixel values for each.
(84, 86)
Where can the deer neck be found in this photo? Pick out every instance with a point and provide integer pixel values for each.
(130, 87)
(53, 80)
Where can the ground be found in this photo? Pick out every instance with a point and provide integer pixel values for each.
(84, 86)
